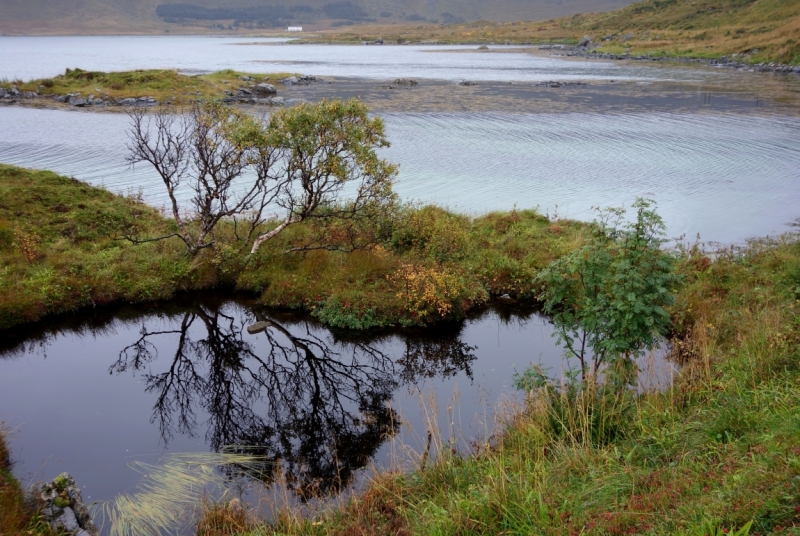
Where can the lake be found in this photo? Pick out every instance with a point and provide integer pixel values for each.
(717, 149)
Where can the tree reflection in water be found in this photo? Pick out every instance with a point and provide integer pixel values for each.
(315, 407)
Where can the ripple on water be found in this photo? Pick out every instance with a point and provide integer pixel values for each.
(724, 176)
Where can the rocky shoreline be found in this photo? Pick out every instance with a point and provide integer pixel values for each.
(586, 48)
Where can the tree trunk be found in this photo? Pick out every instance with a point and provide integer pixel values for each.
(263, 237)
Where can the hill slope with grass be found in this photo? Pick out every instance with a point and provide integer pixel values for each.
(760, 30)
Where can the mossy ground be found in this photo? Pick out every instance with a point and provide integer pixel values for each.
(164, 85)
(61, 249)
(717, 450)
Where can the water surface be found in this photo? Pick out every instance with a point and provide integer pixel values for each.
(36, 57)
(723, 176)
(91, 393)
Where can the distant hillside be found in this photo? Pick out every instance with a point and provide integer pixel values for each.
(193, 16)
(755, 30)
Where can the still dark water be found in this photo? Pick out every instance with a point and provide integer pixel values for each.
(90, 394)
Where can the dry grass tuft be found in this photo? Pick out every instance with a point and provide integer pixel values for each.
(170, 493)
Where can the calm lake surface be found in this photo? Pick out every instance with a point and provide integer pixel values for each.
(717, 149)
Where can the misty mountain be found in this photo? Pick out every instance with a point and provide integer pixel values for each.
(104, 16)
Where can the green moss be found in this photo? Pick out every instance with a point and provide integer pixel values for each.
(61, 502)
(60, 482)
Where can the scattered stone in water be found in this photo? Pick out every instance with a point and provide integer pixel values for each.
(258, 327)
(406, 82)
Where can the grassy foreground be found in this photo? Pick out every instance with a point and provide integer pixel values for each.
(61, 248)
(716, 453)
(164, 85)
(763, 30)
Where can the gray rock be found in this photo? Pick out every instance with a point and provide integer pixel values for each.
(80, 103)
(266, 89)
(63, 508)
(277, 101)
(406, 82)
(246, 78)
(585, 42)
(466, 83)
(243, 92)
(67, 521)
(290, 81)
(483, 47)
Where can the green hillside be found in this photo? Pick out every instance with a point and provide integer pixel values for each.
(758, 30)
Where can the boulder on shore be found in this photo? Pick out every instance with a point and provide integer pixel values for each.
(63, 508)
(266, 89)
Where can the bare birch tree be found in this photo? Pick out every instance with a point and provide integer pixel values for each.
(313, 162)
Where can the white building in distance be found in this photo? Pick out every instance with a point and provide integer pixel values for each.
(294, 29)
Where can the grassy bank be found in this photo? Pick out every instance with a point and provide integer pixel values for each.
(15, 516)
(62, 248)
(164, 85)
(717, 452)
(761, 30)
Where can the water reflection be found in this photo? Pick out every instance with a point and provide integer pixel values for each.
(89, 393)
(317, 407)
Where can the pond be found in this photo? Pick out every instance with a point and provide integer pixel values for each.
(94, 392)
